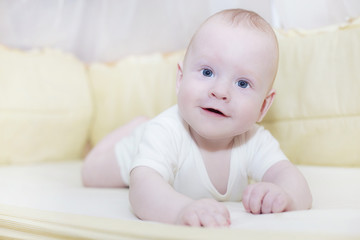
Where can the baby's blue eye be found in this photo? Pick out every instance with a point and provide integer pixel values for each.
(243, 84)
(207, 72)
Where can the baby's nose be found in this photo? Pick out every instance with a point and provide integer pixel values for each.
(220, 92)
(219, 96)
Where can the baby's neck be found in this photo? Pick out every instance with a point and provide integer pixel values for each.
(211, 145)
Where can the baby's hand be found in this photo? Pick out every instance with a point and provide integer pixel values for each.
(264, 197)
(204, 213)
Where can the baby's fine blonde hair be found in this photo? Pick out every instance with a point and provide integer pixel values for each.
(242, 16)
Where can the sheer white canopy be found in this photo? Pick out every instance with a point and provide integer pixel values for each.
(107, 30)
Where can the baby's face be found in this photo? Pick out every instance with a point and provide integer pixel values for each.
(225, 78)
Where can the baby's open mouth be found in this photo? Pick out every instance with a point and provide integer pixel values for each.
(215, 111)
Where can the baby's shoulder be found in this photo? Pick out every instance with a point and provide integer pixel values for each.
(167, 118)
(169, 122)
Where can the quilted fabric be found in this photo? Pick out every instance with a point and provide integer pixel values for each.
(316, 113)
(45, 106)
(137, 85)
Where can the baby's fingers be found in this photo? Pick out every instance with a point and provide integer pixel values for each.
(253, 198)
(246, 198)
(207, 220)
(265, 198)
(192, 220)
(279, 204)
(214, 220)
(223, 220)
(204, 219)
(268, 203)
(205, 213)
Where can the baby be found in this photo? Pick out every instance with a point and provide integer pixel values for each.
(181, 165)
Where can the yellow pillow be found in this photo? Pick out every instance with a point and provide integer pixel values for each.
(45, 106)
(316, 113)
(137, 85)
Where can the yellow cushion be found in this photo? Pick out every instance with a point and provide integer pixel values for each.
(45, 106)
(135, 86)
(316, 113)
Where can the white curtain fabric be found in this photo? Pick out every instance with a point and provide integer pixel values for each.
(107, 30)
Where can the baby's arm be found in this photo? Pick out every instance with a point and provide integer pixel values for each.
(154, 199)
(283, 188)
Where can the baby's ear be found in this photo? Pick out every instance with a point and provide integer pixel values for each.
(179, 76)
(266, 104)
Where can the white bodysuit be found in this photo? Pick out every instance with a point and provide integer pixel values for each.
(165, 145)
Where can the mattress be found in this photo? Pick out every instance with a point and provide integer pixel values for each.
(49, 199)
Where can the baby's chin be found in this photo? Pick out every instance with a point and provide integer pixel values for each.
(215, 134)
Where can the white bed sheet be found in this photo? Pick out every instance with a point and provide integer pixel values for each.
(57, 187)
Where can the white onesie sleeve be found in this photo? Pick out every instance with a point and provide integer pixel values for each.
(264, 151)
(160, 152)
